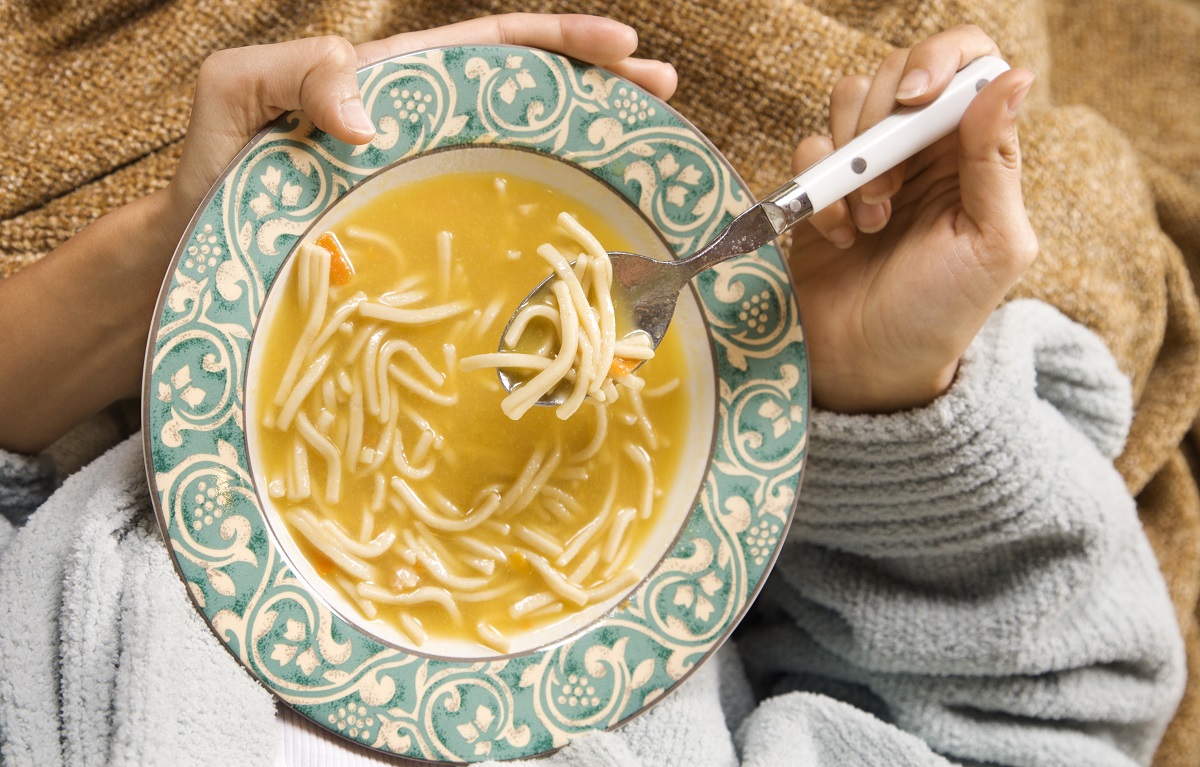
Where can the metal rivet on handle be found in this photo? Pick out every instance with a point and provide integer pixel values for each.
(858, 165)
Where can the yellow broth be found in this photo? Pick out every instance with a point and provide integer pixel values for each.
(496, 226)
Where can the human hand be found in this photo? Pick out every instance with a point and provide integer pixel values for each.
(240, 90)
(896, 280)
(73, 326)
(243, 89)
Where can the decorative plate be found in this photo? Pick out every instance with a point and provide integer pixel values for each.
(208, 507)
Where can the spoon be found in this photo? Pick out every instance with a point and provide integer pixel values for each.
(649, 289)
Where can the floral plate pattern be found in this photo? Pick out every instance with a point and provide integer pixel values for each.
(345, 680)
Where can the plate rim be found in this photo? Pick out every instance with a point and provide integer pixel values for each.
(156, 493)
(715, 404)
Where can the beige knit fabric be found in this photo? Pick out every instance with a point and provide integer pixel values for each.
(94, 97)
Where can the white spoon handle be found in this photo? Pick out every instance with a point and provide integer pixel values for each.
(884, 146)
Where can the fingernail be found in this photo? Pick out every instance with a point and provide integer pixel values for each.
(1014, 101)
(842, 237)
(913, 84)
(632, 38)
(354, 117)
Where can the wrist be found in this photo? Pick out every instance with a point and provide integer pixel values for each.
(155, 226)
(76, 322)
(151, 228)
(876, 391)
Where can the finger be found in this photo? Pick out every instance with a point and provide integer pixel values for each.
(833, 223)
(990, 180)
(880, 100)
(657, 77)
(922, 74)
(934, 61)
(845, 107)
(240, 90)
(329, 92)
(846, 104)
(594, 39)
(870, 206)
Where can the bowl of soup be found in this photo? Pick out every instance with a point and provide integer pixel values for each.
(346, 502)
(400, 488)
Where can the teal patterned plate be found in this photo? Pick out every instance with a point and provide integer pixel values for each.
(343, 678)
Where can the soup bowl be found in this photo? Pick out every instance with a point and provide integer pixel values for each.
(643, 169)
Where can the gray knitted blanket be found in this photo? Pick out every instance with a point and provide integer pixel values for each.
(968, 579)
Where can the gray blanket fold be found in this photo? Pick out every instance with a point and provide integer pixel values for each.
(968, 579)
(106, 662)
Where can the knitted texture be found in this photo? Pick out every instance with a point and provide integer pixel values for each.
(106, 662)
(96, 97)
(974, 571)
(963, 577)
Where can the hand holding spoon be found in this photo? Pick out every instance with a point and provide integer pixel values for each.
(649, 289)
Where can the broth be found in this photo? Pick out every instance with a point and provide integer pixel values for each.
(452, 452)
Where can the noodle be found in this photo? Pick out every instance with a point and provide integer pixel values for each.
(328, 451)
(518, 403)
(414, 629)
(485, 566)
(300, 487)
(520, 322)
(617, 532)
(301, 390)
(335, 321)
(444, 256)
(311, 257)
(557, 582)
(402, 298)
(418, 507)
(597, 441)
(370, 382)
(531, 603)
(354, 436)
(324, 421)
(368, 525)
(505, 360)
(540, 541)
(371, 550)
(491, 637)
(304, 522)
(329, 395)
(581, 539)
(410, 316)
(642, 460)
(420, 389)
(585, 567)
(418, 595)
(366, 605)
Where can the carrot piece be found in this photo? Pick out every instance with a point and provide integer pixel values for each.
(518, 563)
(340, 268)
(622, 366)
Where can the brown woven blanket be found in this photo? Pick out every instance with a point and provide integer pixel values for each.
(94, 98)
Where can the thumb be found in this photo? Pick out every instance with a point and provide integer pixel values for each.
(240, 90)
(258, 83)
(990, 177)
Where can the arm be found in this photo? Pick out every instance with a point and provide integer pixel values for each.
(975, 568)
(966, 562)
(73, 327)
